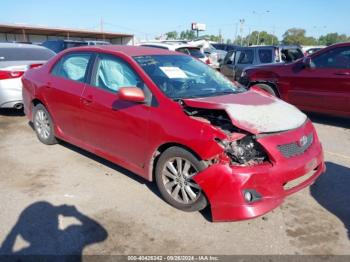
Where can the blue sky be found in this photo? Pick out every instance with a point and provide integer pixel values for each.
(153, 17)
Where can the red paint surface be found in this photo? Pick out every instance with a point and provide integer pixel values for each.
(129, 134)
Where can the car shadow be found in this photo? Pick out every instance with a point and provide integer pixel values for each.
(331, 191)
(151, 186)
(329, 120)
(206, 213)
(11, 112)
(41, 228)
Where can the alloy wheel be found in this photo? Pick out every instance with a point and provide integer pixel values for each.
(177, 178)
(42, 124)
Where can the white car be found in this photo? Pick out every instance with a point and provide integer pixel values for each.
(179, 47)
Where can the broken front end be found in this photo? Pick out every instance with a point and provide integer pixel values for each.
(256, 169)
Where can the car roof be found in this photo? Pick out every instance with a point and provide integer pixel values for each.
(125, 49)
(65, 40)
(18, 45)
(171, 45)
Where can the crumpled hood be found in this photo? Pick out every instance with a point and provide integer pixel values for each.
(253, 111)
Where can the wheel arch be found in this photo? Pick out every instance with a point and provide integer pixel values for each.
(161, 148)
(272, 84)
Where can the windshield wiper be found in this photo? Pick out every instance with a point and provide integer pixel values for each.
(224, 93)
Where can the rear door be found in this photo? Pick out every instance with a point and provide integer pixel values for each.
(243, 60)
(227, 65)
(324, 87)
(265, 55)
(113, 126)
(64, 89)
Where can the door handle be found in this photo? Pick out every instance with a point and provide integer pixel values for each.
(342, 73)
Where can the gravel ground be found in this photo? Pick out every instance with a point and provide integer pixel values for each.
(60, 199)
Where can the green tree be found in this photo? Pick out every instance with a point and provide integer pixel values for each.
(188, 35)
(173, 35)
(297, 36)
(214, 38)
(258, 38)
(332, 38)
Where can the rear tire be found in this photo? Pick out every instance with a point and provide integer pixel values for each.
(174, 171)
(267, 88)
(43, 125)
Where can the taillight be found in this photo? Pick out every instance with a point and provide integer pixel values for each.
(207, 61)
(10, 74)
(35, 66)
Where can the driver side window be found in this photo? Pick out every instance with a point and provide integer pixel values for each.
(112, 73)
(338, 58)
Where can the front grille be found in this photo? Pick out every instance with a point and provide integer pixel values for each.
(294, 149)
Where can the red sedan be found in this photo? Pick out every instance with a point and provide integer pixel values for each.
(318, 83)
(172, 119)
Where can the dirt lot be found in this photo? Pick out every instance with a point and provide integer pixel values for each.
(60, 199)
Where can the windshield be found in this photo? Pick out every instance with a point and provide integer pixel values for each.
(180, 76)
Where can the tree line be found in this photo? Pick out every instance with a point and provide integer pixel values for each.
(293, 36)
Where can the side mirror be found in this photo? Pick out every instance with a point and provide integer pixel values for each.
(131, 94)
(307, 62)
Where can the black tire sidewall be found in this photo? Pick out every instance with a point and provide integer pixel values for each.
(172, 152)
(51, 140)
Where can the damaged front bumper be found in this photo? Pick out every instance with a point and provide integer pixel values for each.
(269, 183)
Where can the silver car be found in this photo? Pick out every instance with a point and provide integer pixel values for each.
(15, 59)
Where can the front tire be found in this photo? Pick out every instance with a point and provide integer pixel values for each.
(174, 171)
(43, 125)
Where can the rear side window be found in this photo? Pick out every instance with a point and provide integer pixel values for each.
(195, 52)
(265, 55)
(290, 55)
(74, 44)
(246, 57)
(73, 67)
(25, 54)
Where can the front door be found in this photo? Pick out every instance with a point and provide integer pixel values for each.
(325, 86)
(113, 126)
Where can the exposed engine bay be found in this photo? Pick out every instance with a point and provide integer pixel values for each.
(240, 146)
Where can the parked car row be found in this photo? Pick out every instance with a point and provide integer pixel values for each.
(240, 58)
(15, 59)
(209, 54)
(60, 45)
(179, 47)
(319, 82)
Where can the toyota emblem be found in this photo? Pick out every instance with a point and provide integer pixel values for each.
(303, 141)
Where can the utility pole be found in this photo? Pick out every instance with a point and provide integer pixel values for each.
(241, 29)
(260, 18)
(250, 32)
(242, 21)
(273, 34)
(235, 40)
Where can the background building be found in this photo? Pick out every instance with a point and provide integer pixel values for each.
(36, 34)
